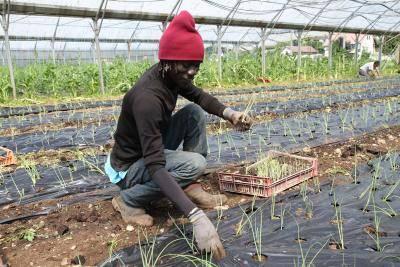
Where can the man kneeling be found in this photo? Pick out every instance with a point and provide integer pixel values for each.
(144, 161)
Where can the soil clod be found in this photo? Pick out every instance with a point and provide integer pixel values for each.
(259, 257)
(62, 229)
(78, 260)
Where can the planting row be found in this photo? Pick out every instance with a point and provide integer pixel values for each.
(302, 105)
(296, 86)
(26, 110)
(72, 117)
(310, 130)
(313, 92)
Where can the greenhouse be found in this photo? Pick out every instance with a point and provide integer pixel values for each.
(200, 133)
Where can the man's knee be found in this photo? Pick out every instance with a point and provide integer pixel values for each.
(195, 111)
(197, 164)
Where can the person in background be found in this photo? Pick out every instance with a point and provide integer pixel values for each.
(144, 162)
(370, 69)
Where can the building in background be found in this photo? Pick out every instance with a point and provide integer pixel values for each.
(306, 51)
(347, 41)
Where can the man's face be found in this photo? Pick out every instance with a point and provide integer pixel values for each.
(183, 72)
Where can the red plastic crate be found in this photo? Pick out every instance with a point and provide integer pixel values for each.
(6, 157)
(265, 186)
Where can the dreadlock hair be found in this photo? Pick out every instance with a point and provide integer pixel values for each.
(165, 66)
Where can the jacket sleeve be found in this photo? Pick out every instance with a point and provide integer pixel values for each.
(148, 112)
(208, 102)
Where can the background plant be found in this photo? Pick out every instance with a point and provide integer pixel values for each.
(46, 79)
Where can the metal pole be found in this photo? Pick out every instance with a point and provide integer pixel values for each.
(52, 41)
(330, 53)
(165, 23)
(344, 41)
(93, 52)
(382, 40)
(115, 50)
(356, 52)
(5, 22)
(136, 53)
(65, 46)
(53, 52)
(2, 54)
(98, 55)
(263, 38)
(155, 56)
(299, 53)
(219, 51)
(9, 60)
(237, 51)
(129, 51)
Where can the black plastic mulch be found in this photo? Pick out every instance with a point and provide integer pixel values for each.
(376, 114)
(372, 90)
(290, 134)
(318, 232)
(26, 110)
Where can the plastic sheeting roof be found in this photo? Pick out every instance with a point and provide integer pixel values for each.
(382, 15)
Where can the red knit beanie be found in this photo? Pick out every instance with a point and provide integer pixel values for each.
(181, 41)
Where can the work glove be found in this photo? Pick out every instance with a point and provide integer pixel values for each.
(240, 120)
(206, 235)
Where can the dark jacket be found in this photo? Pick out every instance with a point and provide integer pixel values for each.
(145, 114)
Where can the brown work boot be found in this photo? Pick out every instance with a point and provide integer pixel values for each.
(203, 199)
(131, 215)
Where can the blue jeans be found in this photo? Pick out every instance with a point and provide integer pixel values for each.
(188, 125)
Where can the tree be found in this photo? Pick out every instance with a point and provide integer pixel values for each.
(319, 46)
(390, 45)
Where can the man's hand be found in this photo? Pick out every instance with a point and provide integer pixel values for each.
(240, 120)
(206, 236)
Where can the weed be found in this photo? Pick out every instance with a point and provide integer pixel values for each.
(337, 170)
(112, 245)
(28, 234)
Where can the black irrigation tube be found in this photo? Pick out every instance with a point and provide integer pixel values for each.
(283, 240)
(286, 134)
